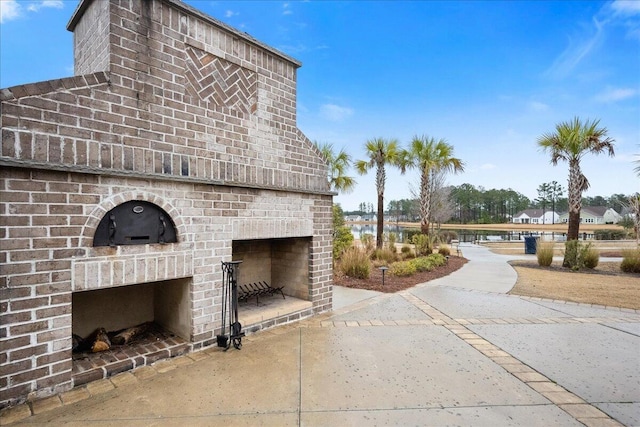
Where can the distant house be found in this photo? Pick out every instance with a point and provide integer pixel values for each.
(370, 217)
(595, 215)
(535, 216)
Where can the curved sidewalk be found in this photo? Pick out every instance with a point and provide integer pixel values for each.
(485, 271)
(457, 351)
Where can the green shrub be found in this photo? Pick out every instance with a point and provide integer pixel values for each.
(590, 256)
(422, 264)
(385, 255)
(342, 236)
(342, 240)
(444, 250)
(437, 259)
(571, 248)
(407, 253)
(368, 242)
(392, 238)
(578, 256)
(544, 253)
(425, 263)
(423, 244)
(630, 261)
(428, 263)
(609, 234)
(403, 268)
(355, 263)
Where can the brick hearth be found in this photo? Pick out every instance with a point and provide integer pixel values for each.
(155, 345)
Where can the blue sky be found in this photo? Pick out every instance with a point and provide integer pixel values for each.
(489, 77)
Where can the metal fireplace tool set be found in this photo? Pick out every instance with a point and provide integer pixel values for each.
(231, 330)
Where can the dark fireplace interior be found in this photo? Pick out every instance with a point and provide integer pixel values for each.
(162, 308)
(279, 262)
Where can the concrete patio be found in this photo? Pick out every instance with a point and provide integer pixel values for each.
(455, 351)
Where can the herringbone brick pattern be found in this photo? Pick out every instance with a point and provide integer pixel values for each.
(211, 78)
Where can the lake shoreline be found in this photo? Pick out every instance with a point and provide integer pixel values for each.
(499, 227)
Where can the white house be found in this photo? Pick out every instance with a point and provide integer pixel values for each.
(536, 216)
(595, 215)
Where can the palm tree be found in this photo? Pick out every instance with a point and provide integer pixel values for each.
(380, 152)
(338, 164)
(634, 208)
(430, 157)
(570, 142)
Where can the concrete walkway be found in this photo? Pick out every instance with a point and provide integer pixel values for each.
(456, 351)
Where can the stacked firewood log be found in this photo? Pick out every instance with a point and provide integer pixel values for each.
(101, 340)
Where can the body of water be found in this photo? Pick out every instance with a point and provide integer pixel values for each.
(464, 234)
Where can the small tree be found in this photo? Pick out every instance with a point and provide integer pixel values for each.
(442, 207)
(544, 197)
(634, 208)
(430, 157)
(342, 236)
(381, 152)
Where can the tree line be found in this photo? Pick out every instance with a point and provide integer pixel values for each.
(568, 143)
(476, 205)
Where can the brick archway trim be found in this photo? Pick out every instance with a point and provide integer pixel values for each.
(94, 218)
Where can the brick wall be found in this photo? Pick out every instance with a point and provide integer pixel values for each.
(146, 122)
(91, 39)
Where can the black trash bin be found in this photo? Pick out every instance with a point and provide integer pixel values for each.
(530, 245)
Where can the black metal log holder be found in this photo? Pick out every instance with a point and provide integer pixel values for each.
(231, 330)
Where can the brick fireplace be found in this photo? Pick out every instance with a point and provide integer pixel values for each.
(170, 112)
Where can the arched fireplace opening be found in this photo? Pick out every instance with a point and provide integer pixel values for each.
(135, 223)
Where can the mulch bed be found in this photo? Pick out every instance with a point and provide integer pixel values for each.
(611, 254)
(395, 284)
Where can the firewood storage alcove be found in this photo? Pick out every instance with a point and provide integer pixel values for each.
(160, 308)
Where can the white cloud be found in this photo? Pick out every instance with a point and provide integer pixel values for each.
(9, 9)
(576, 52)
(624, 13)
(619, 13)
(36, 6)
(538, 106)
(627, 7)
(335, 113)
(230, 13)
(286, 10)
(616, 94)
